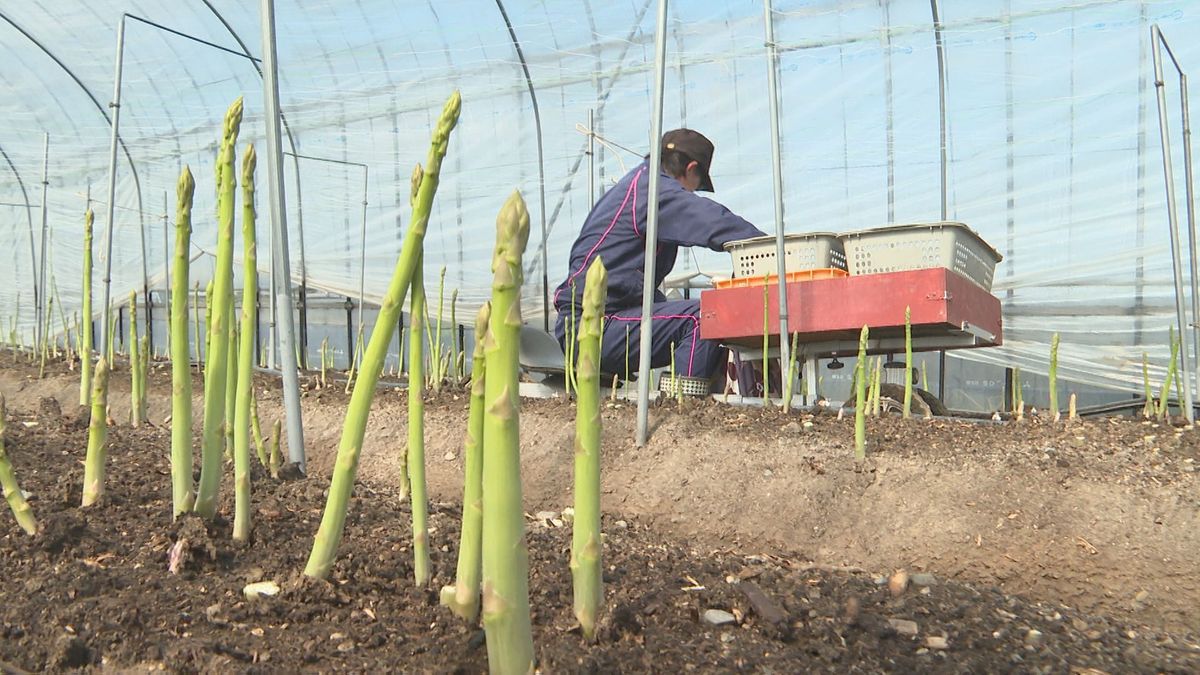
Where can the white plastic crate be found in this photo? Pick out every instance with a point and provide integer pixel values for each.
(898, 248)
(687, 386)
(814, 250)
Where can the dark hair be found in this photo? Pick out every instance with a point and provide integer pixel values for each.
(675, 162)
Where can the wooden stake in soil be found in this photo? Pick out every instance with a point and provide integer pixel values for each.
(8, 481)
(463, 597)
(97, 452)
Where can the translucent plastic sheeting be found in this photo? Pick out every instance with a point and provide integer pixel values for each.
(1053, 146)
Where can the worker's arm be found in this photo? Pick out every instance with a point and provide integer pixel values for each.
(687, 219)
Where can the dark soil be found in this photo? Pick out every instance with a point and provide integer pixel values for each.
(93, 590)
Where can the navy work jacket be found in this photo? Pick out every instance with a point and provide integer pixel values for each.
(615, 231)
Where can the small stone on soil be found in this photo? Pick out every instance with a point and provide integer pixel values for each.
(718, 617)
(936, 642)
(1033, 637)
(923, 579)
(904, 627)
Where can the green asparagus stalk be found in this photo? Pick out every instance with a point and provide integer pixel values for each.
(860, 398)
(456, 350)
(1054, 415)
(907, 411)
(766, 373)
(505, 558)
(208, 310)
(244, 406)
(144, 372)
(463, 597)
(201, 335)
(112, 337)
(275, 460)
(324, 361)
(674, 380)
(1148, 409)
(415, 455)
(330, 532)
(790, 377)
(85, 354)
(1019, 393)
(216, 372)
(878, 386)
(62, 319)
(586, 569)
(135, 364)
(182, 495)
(256, 429)
(569, 351)
(230, 384)
(627, 353)
(97, 453)
(1164, 394)
(8, 481)
(436, 356)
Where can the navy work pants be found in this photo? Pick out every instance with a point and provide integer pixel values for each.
(676, 322)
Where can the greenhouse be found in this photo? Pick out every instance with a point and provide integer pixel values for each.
(1021, 171)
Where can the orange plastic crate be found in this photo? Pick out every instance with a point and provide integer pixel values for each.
(773, 279)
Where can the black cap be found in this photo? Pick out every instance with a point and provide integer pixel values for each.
(694, 145)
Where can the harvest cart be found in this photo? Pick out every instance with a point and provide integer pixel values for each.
(942, 272)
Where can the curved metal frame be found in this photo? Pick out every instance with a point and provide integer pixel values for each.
(137, 183)
(29, 217)
(537, 121)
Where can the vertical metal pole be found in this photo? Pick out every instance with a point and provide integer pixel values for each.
(777, 167)
(303, 303)
(1172, 217)
(941, 62)
(281, 268)
(40, 332)
(1139, 277)
(167, 268)
(591, 153)
(106, 247)
(1190, 210)
(1010, 204)
(362, 269)
(644, 330)
(889, 104)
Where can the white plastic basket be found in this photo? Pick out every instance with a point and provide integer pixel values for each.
(688, 386)
(814, 250)
(898, 248)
